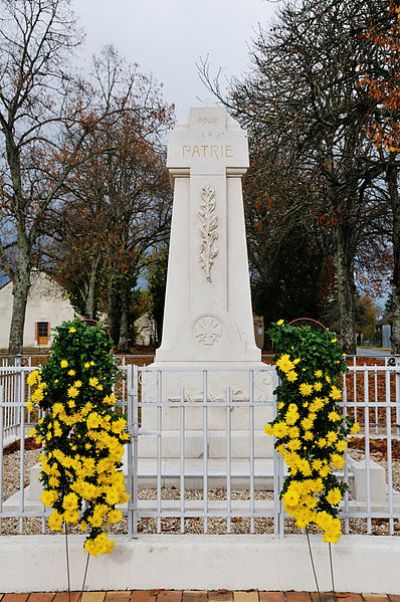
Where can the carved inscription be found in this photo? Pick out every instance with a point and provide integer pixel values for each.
(207, 330)
(207, 151)
(208, 230)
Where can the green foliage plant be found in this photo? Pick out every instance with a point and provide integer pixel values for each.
(310, 429)
(81, 432)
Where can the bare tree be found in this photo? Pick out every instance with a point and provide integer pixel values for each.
(118, 201)
(303, 100)
(36, 36)
(381, 80)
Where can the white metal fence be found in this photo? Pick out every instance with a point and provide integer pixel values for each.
(202, 436)
(198, 460)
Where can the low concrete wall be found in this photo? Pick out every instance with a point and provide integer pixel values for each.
(361, 563)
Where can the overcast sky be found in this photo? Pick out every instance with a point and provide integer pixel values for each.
(167, 37)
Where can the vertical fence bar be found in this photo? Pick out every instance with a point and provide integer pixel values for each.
(251, 450)
(182, 459)
(397, 411)
(376, 400)
(135, 413)
(389, 450)
(367, 451)
(159, 449)
(279, 525)
(9, 420)
(228, 461)
(21, 402)
(355, 386)
(276, 489)
(17, 392)
(1, 451)
(129, 416)
(124, 386)
(205, 451)
(346, 465)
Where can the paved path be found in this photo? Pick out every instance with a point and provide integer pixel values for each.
(197, 596)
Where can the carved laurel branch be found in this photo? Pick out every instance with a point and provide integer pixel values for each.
(208, 230)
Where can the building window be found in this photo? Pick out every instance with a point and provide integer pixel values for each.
(42, 333)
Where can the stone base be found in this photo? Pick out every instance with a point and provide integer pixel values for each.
(194, 446)
(169, 381)
(171, 476)
(215, 382)
(377, 482)
(213, 418)
(202, 562)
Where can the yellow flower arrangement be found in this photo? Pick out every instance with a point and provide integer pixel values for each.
(82, 434)
(310, 429)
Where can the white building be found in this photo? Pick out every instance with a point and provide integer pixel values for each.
(47, 307)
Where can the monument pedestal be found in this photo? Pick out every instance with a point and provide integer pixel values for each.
(238, 400)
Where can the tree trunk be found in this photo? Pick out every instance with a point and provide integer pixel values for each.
(92, 293)
(391, 177)
(123, 340)
(114, 309)
(345, 289)
(21, 286)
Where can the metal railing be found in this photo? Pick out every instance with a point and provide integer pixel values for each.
(186, 434)
(371, 396)
(14, 394)
(198, 460)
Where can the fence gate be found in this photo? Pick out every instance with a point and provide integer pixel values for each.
(199, 447)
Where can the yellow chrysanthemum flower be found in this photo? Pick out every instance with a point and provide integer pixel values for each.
(49, 497)
(70, 501)
(71, 516)
(334, 496)
(337, 461)
(55, 521)
(335, 393)
(305, 389)
(307, 424)
(33, 378)
(284, 363)
(115, 516)
(268, 429)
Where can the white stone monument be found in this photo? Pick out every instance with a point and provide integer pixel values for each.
(208, 322)
(208, 315)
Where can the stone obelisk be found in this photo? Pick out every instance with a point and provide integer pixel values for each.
(208, 315)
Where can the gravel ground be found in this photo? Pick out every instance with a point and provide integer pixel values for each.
(216, 526)
(11, 470)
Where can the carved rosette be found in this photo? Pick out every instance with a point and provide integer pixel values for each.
(208, 230)
(207, 330)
